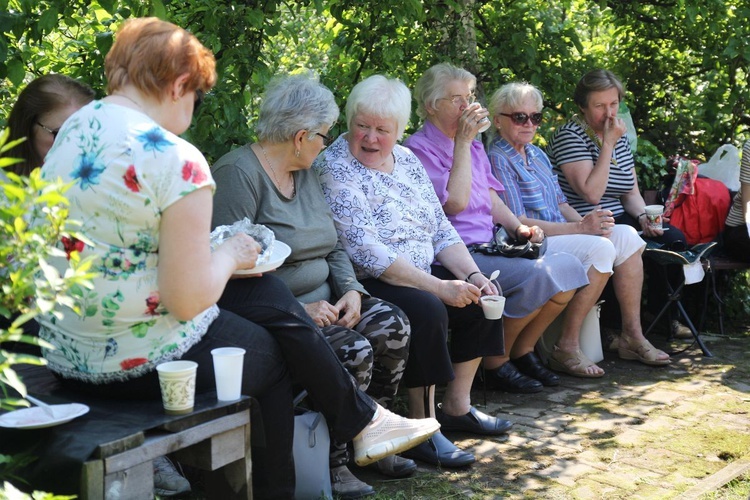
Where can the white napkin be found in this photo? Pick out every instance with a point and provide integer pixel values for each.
(694, 272)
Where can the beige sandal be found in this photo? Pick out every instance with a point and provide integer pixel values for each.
(572, 363)
(644, 352)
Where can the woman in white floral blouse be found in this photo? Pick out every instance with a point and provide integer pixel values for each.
(390, 222)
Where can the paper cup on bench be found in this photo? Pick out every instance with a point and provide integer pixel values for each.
(228, 372)
(177, 382)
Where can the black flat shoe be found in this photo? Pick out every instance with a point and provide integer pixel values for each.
(438, 450)
(475, 422)
(507, 378)
(530, 364)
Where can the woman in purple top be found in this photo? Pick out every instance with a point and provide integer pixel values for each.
(536, 291)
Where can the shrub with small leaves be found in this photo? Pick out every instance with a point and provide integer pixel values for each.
(33, 222)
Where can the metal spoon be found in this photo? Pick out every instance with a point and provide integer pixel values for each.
(48, 409)
(494, 275)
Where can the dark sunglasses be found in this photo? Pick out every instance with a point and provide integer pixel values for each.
(522, 118)
(53, 132)
(327, 139)
(199, 95)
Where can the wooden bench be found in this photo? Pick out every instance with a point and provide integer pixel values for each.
(715, 264)
(108, 452)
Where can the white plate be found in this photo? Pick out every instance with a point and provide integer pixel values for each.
(36, 418)
(280, 252)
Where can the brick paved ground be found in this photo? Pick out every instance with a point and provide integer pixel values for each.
(639, 432)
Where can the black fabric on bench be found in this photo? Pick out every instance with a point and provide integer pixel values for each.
(62, 449)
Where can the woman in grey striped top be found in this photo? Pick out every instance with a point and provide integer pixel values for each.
(736, 240)
(592, 158)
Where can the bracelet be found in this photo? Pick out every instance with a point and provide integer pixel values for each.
(639, 217)
(472, 274)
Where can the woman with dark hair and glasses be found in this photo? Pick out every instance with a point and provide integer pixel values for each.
(270, 182)
(38, 114)
(532, 193)
(536, 291)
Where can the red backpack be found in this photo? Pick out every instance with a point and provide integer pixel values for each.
(702, 214)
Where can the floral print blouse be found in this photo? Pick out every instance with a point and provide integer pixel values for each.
(380, 216)
(125, 171)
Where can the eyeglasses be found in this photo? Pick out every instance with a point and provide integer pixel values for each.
(199, 95)
(456, 99)
(327, 139)
(53, 132)
(522, 118)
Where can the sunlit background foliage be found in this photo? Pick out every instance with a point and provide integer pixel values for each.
(685, 63)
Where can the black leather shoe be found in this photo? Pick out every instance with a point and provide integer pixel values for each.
(438, 450)
(507, 378)
(475, 422)
(530, 364)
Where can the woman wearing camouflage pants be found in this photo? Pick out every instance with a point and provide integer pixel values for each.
(270, 183)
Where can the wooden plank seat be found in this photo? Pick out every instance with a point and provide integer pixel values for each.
(717, 263)
(108, 452)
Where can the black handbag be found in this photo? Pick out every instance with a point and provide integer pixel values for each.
(506, 245)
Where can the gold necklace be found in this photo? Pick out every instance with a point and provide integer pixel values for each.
(592, 135)
(273, 172)
(129, 99)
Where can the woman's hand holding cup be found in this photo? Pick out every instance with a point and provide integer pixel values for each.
(598, 222)
(474, 120)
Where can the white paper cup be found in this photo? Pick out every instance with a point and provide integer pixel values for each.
(493, 306)
(177, 382)
(228, 372)
(654, 214)
(484, 122)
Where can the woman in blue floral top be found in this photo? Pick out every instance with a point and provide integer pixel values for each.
(144, 197)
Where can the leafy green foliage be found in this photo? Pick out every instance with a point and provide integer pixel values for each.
(33, 218)
(7, 490)
(650, 165)
(686, 66)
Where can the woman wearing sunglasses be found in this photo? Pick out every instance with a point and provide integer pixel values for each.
(592, 156)
(533, 194)
(536, 291)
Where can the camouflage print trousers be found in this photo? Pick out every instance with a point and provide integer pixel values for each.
(375, 352)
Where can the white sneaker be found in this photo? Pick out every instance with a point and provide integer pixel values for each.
(389, 433)
(167, 481)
